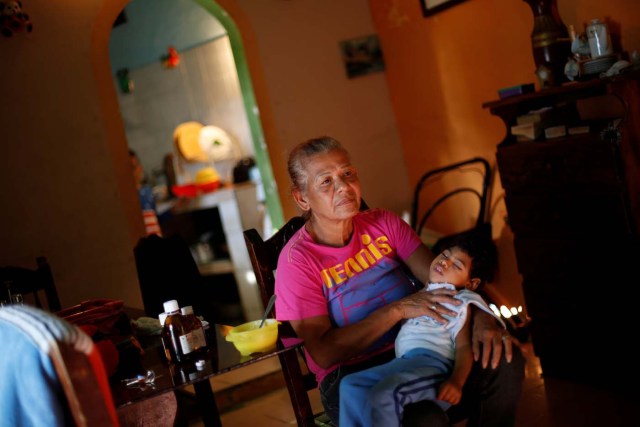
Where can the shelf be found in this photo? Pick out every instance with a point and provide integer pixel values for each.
(218, 266)
(578, 89)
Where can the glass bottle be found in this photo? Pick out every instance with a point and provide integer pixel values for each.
(172, 331)
(196, 341)
(166, 343)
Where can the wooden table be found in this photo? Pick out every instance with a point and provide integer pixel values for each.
(221, 357)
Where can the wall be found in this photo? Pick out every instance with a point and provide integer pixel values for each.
(66, 187)
(154, 25)
(66, 190)
(442, 68)
(308, 94)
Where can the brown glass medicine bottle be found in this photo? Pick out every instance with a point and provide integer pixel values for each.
(197, 342)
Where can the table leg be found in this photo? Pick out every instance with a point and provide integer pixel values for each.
(207, 404)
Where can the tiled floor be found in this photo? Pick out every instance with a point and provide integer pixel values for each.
(550, 402)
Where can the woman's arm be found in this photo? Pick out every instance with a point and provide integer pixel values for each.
(328, 345)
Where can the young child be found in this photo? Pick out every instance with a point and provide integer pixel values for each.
(433, 359)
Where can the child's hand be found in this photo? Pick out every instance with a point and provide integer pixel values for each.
(450, 392)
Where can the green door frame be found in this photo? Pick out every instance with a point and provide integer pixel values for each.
(274, 207)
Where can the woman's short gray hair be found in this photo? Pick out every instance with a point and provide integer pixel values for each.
(302, 152)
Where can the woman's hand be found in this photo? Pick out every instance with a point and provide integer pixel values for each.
(424, 303)
(493, 338)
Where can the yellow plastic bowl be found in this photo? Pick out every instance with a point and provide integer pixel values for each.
(250, 338)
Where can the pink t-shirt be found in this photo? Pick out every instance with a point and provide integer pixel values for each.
(350, 282)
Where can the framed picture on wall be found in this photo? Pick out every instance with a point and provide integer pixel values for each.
(429, 7)
(362, 55)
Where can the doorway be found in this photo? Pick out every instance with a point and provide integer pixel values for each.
(210, 84)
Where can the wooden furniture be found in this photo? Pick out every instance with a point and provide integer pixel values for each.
(221, 357)
(31, 283)
(573, 203)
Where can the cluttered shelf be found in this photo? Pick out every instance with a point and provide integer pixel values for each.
(579, 89)
(596, 108)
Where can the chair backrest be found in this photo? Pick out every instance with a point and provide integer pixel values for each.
(477, 165)
(30, 283)
(166, 271)
(53, 374)
(264, 254)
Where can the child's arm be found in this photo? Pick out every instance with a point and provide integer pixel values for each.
(451, 390)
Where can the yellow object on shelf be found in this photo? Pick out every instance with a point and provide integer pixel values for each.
(207, 175)
(187, 138)
(250, 338)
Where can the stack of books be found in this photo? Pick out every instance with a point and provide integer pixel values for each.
(530, 126)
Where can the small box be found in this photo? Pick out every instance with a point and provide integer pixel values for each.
(530, 131)
(555, 131)
(578, 130)
(516, 90)
(543, 115)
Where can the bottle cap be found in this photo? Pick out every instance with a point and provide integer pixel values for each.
(186, 310)
(162, 317)
(171, 306)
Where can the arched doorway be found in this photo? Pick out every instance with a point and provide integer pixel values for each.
(237, 62)
(247, 290)
(262, 157)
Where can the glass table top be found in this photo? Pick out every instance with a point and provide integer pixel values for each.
(221, 357)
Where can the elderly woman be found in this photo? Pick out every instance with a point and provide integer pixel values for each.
(342, 284)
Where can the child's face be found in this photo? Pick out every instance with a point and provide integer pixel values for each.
(453, 266)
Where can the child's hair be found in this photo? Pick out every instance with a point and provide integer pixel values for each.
(483, 254)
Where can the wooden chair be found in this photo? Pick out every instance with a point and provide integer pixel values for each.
(30, 283)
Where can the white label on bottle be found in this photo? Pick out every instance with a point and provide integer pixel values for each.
(192, 341)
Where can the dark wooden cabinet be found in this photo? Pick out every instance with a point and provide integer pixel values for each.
(573, 204)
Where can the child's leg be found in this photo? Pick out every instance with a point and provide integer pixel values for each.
(355, 410)
(412, 378)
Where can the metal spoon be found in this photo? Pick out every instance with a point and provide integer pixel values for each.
(272, 300)
(148, 379)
